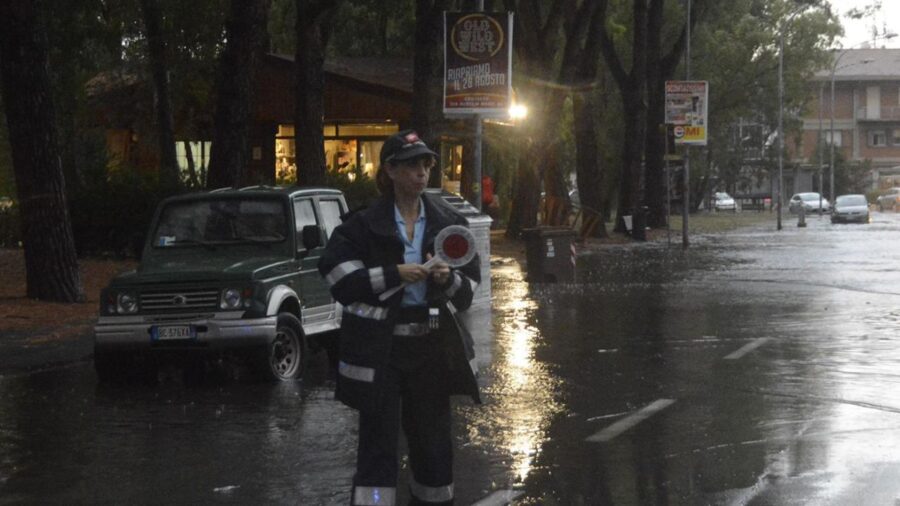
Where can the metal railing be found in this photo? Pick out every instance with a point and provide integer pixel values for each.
(885, 114)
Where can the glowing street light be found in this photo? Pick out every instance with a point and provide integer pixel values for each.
(518, 111)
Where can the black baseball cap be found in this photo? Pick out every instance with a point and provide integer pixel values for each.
(404, 145)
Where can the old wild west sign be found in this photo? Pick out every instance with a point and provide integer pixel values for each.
(477, 63)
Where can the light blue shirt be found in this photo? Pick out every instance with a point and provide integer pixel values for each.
(414, 294)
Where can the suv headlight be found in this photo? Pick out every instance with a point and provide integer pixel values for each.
(126, 303)
(231, 299)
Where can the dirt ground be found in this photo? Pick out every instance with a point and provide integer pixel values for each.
(21, 316)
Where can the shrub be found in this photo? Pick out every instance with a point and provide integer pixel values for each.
(110, 215)
(359, 193)
(10, 228)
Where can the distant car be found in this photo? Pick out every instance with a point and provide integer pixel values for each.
(889, 200)
(850, 208)
(809, 202)
(723, 202)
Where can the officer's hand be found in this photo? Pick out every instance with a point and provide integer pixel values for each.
(440, 271)
(412, 273)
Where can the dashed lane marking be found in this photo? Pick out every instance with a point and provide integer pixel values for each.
(747, 348)
(630, 421)
(499, 498)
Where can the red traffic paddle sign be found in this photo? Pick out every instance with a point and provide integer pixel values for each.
(454, 245)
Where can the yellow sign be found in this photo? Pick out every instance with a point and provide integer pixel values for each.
(687, 108)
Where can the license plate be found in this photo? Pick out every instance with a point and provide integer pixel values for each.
(169, 332)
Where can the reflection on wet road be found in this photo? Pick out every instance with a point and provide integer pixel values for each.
(758, 368)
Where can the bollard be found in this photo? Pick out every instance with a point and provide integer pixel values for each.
(801, 220)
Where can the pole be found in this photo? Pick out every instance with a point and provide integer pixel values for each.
(819, 147)
(686, 184)
(476, 155)
(831, 132)
(780, 121)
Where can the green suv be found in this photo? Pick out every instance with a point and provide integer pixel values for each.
(222, 271)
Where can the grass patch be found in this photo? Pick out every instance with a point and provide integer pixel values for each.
(714, 223)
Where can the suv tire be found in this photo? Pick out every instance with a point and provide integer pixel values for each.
(286, 357)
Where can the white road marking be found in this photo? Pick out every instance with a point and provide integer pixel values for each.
(747, 348)
(631, 420)
(499, 498)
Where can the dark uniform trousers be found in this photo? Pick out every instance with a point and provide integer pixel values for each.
(415, 397)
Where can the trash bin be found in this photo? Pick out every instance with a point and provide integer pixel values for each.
(549, 254)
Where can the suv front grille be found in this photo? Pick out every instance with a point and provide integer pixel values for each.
(179, 299)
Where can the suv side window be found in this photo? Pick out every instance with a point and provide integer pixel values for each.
(331, 215)
(303, 214)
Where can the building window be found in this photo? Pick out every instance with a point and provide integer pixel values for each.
(877, 139)
(199, 153)
(827, 136)
(895, 140)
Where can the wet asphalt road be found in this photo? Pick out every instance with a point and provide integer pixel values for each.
(758, 368)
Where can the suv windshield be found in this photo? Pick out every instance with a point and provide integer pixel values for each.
(221, 221)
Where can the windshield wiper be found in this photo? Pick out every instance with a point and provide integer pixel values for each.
(259, 240)
(206, 244)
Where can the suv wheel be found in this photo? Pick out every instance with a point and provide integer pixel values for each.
(285, 358)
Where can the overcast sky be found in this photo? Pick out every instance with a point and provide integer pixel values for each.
(857, 31)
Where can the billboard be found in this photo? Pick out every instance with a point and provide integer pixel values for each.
(687, 107)
(477, 63)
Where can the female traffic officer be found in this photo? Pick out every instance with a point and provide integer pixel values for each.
(402, 358)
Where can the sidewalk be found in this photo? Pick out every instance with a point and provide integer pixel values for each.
(35, 334)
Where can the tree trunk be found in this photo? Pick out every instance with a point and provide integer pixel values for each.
(632, 86)
(245, 42)
(169, 176)
(192, 170)
(50, 259)
(659, 69)
(588, 169)
(313, 28)
(427, 74)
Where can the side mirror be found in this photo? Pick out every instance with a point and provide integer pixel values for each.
(312, 237)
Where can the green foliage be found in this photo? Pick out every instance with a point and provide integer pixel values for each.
(111, 211)
(374, 28)
(7, 180)
(359, 193)
(10, 227)
(739, 41)
(282, 27)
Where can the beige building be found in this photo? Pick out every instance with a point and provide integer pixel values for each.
(866, 116)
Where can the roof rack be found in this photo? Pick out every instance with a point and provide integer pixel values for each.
(258, 187)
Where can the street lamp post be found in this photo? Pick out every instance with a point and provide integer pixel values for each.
(781, 29)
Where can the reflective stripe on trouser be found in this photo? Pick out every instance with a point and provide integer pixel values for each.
(374, 496)
(413, 400)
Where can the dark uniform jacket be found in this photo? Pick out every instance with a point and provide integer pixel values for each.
(360, 262)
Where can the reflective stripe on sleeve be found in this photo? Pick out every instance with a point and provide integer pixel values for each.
(473, 283)
(452, 289)
(364, 310)
(431, 494)
(374, 496)
(342, 269)
(376, 279)
(358, 373)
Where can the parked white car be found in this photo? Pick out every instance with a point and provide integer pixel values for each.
(724, 202)
(809, 202)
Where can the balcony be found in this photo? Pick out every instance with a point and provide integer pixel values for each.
(887, 114)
